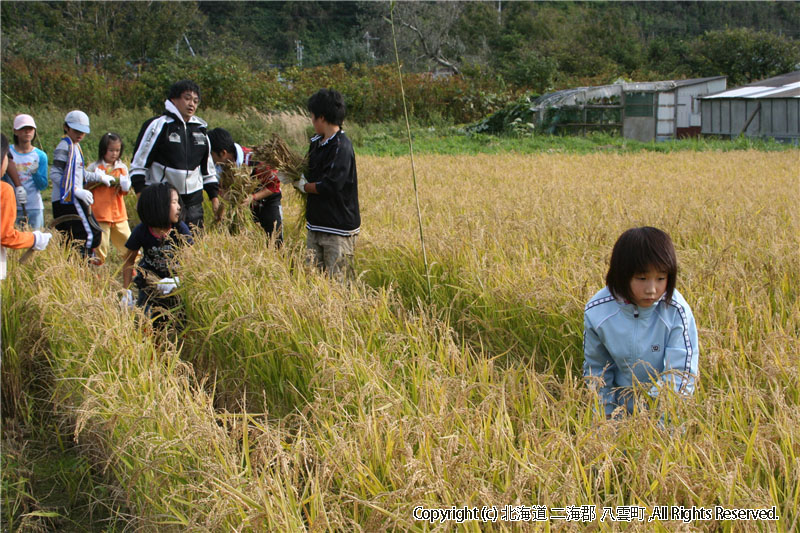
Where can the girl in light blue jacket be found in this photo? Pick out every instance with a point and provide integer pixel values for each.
(639, 329)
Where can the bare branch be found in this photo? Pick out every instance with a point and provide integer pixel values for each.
(431, 23)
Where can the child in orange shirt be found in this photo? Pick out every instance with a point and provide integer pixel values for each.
(109, 200)
(9, 236)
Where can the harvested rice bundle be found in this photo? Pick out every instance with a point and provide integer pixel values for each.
(161, 288)
(289, 164)
(147, 277)
(277, 154)
(236, 184)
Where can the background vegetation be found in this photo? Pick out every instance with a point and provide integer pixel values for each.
(463, 59)
(251, 128)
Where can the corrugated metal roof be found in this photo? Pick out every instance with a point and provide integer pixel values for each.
(783, 86)
(578, 95)
(697, 81)
(741, 92)
(779, 81)
(666, 85)
(788, 93)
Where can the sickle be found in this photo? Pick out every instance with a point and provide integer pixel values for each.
(55, 222)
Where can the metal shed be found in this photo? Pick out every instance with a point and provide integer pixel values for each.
(645, 111)
(767, 108)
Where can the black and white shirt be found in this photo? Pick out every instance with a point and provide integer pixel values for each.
(169, 149)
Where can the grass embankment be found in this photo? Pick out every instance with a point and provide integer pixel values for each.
(251, 128)
(339, 408)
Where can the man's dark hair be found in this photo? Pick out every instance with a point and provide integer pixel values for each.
(3, 146)
(154, 204)
(636, 251)
(328, 104)
(221, 139)
(180, 87)
(107, 139)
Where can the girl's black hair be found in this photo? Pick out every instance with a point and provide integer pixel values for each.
(636, 251)
(3, 146)
(328, 104)
(154, 205)
(35, 134)
(107, 139)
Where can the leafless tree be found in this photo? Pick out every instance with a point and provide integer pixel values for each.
(429, 31)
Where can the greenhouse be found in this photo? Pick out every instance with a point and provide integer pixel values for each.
(645, 111)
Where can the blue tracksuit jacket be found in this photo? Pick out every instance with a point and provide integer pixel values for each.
(624, 343)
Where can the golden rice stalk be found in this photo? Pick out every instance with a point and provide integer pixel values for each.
(151, 280)
(277, 154)
(236, 184)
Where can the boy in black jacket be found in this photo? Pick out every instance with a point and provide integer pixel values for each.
(333, 219)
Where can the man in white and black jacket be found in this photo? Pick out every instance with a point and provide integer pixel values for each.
(174, 148)
(333, 218)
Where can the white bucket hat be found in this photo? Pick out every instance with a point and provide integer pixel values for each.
(77, 120)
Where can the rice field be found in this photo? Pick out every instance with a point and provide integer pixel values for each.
(292, 403)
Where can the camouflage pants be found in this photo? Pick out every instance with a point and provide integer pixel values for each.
(332, 254)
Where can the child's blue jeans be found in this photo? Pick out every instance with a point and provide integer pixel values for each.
(35, 218)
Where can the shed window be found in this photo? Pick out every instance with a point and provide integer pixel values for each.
(639, 105)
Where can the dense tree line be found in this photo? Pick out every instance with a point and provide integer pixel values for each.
(523, 46)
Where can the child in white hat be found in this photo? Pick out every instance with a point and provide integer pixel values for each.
(31, 165)
(70, 199)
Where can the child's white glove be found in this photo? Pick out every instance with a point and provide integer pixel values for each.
(300, 184)
(126, 302)
(21, 194)
(40, 240)
(125, 183)
(167, 285)
(104, 178)
(84, 196)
